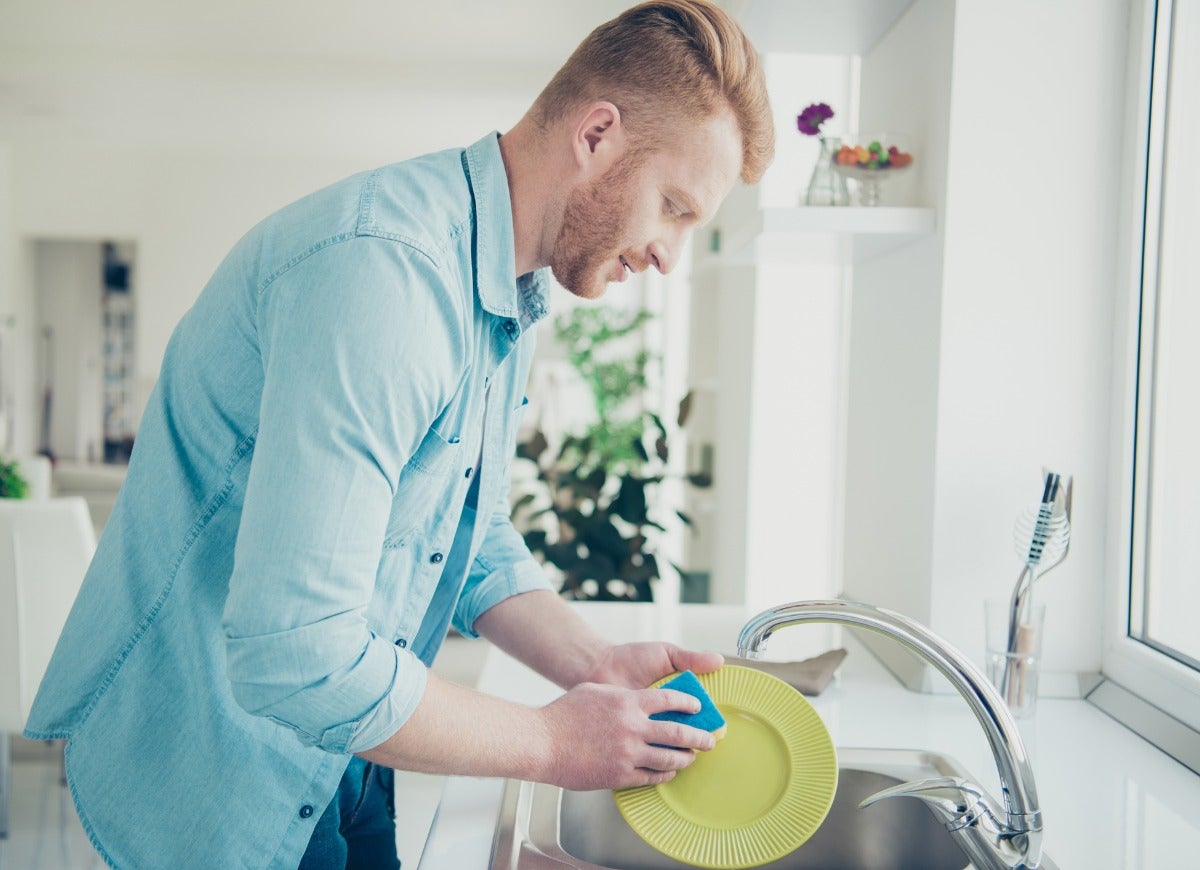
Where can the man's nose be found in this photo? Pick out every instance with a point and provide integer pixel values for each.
(661, 257)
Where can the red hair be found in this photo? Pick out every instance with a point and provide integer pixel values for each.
(668, 65)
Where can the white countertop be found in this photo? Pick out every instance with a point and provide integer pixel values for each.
(1109, 799)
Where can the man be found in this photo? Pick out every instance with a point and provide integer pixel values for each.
(318, 488)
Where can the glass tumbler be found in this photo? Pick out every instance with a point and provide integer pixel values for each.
(1013, 662)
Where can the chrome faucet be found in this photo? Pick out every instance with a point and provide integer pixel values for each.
(1008, 839)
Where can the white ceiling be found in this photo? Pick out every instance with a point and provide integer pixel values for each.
(306, 76)
(296, 76)
(442, 32)
(437, 32)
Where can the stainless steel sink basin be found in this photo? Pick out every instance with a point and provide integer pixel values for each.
(543, 826)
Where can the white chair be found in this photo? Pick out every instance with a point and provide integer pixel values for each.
(45, 549)
(97, 482)
(37, 473)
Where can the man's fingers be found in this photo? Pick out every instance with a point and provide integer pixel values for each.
(662, 759)
(680, 736)
(695, 661)
(662, 700)
(641, 777)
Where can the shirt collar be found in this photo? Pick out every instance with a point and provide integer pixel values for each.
(525, 298)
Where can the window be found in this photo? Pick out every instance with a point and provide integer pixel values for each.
(1154, 635)
(1165, 569)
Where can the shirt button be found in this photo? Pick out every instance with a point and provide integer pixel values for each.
(469, 470)
(435, 558)
(510, 326)
(306, 811)
(402, 643)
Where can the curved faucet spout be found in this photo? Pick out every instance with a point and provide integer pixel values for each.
(1023, 815)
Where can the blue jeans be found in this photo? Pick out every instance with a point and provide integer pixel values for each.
(357, 831)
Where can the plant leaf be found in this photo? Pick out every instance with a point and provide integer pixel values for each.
(601, 536)
(648, 570)
(685, 408)
(564, 556)
(630, 502)
(645, 592)
(650, 563)
(595, 481)
(535, 540)
(534, 447)
(523, 501)
(640, 449)
(596, 566)
(566, 445)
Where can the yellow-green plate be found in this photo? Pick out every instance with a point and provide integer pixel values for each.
(759, 795)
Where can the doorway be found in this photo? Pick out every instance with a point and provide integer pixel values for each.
(84, 329)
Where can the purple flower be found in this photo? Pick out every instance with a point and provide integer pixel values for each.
(810, 120)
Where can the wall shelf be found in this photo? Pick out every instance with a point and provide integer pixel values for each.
(813, 234)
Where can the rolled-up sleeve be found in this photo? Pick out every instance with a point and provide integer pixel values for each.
(503, 567)
(359, 348)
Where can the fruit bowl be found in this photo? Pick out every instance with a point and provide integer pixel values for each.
(869, 159)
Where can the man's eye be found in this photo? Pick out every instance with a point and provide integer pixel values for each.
(673, 210)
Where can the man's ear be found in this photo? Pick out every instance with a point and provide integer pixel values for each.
(599, 139)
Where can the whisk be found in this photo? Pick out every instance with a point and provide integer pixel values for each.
(1041, 536)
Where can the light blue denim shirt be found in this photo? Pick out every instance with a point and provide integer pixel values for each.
(297, 529)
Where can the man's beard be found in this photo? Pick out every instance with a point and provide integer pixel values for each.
(593, 226)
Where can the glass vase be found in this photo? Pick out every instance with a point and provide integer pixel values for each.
(827, 187)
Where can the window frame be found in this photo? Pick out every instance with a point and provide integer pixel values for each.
(1155, 694)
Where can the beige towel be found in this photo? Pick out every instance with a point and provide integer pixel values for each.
(810, 676)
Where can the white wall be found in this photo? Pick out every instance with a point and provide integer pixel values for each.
(891, 443)
(1005, 348)
(185, 205)
(1026, 338)
(793, 431)
(767, 344)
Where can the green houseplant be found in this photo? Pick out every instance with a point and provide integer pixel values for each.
(592, 512)
(12, 484)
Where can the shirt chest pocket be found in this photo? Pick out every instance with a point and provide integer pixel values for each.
(517, 415)
(421, 487)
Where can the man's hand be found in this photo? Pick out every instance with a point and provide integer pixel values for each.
(602, 736)
(637, 665)
(542, 631)
(594, 736)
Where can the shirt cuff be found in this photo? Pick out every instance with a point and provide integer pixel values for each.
(386, 717)
(528, 575)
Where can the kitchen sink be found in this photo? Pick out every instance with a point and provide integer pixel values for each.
(543, 826)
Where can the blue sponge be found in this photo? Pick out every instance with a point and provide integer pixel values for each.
(708, 719)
